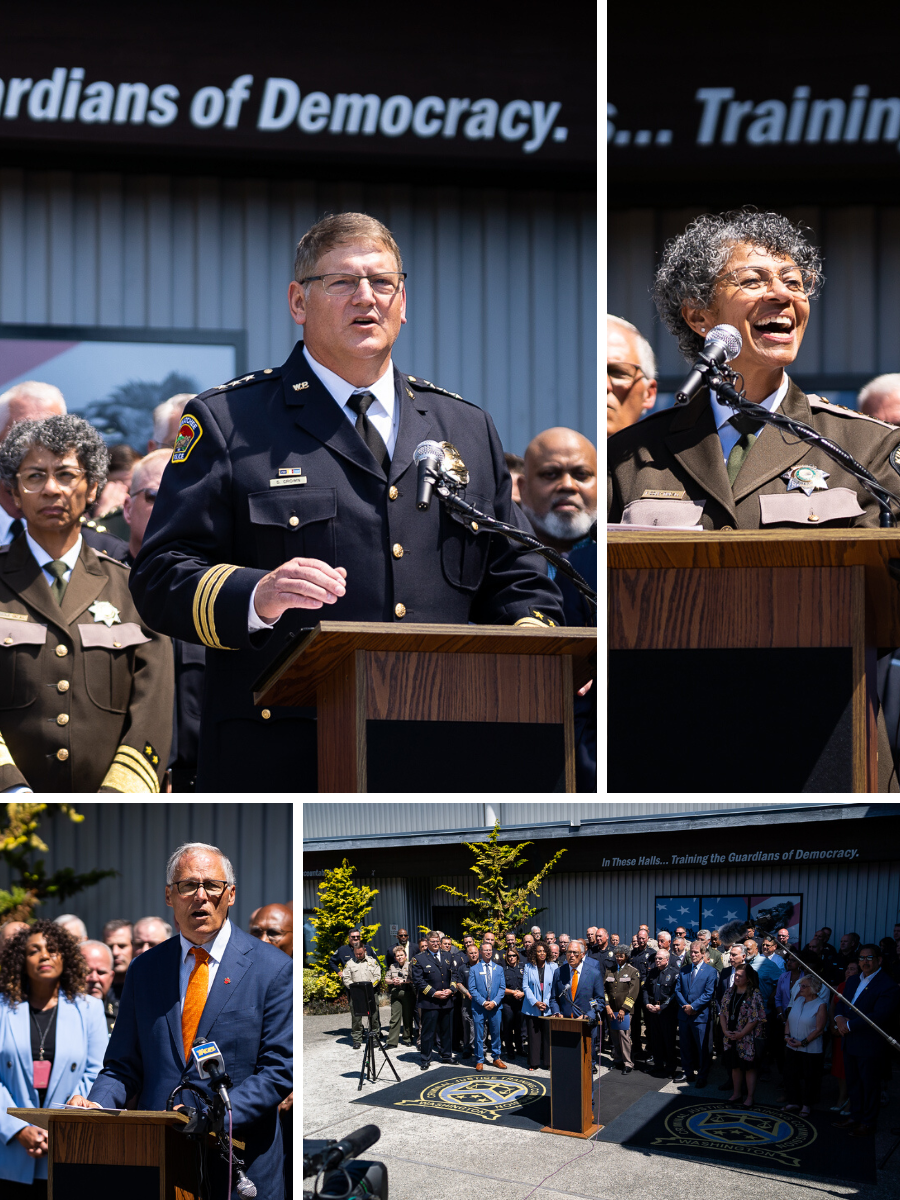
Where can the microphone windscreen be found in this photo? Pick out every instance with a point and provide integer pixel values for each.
(428, 450)
(726, 336)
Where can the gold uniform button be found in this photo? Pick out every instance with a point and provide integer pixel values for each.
(728, 528)
(397, 550)
(267, 371)
(399, 610)
(7, 641)
(63, 685)
(266, 713)
(295, 521)
(62, 719)
(392, 493)
(62, 651)
(117, 645)
(62, 755)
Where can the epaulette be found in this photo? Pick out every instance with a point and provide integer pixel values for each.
(107, 557)
(93, 525)
(841, 409)
(254, 377)
(425, 386)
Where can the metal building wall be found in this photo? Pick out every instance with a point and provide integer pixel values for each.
(137, 839)
(853, 323)
(502, 284)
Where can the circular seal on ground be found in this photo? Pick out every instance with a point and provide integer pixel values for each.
(759, 1132)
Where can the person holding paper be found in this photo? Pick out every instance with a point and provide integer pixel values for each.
(52, 1040)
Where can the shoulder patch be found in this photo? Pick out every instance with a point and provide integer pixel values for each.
(840, 410)
(422, 385)
(189, 434)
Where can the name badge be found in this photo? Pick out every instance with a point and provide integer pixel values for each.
(651, 494)
(287, 481)
(41, 1072)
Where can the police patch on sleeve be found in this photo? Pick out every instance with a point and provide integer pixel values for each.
(189, 434)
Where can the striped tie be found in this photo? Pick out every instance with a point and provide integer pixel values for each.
(194, 999)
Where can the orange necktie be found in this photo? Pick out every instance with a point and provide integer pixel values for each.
(194, 999)
(574, 986)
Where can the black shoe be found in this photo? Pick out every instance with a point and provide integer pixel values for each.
(424, 1066)
(593, 1068)
(627, 1070)
(678, 1077)
(448, 1061)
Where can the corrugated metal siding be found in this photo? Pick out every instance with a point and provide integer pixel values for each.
(502, 288)
(137, 839)
(852, 325)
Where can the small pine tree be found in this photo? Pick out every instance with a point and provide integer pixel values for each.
(342, 907)
(500, 904)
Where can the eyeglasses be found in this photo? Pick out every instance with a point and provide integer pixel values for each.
(385, 283)
(622, 375)
(756, 281)
(867, 957)
(213, 887)
(35, 480)
(150, 493)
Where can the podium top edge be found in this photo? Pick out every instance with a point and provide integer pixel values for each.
(39, 1116)
(388, 629)
(668, 536)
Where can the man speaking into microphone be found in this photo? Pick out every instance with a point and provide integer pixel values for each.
(292, 495)
(217, 984)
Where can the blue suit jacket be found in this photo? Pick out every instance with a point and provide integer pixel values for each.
(698, 992)
(248, 1014)
(532, 989)
(81, 1039)
(590, 987)
(879, 1000)
(478, 986)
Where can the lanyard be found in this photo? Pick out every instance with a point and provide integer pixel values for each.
(42, 1033)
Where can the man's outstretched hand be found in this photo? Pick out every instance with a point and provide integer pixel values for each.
(299, 583)
(82, 1102)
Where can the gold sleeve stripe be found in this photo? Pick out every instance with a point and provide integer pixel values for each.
(6, 759)
(130, 773)
(530, 621)
(204, 598)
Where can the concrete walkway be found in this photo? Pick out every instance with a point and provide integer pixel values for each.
(438, 1158)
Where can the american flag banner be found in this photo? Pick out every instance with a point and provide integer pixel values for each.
(672, 911)
(717, 911)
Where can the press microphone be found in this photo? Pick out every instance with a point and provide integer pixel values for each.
(336, 1153)
(244, 1186)
(722, 344)
(429, 456)
(211, 1066)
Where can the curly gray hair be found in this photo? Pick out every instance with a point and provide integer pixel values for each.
(59, 435)
(693, 262)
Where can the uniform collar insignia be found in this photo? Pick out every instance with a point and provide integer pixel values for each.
(102, 610)
(807, 479)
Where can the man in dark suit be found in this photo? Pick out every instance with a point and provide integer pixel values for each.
(216, 983)
(661, 1010)
(432, 975)
(577, 982)
(694, 991)
(284, 480)
(876, 995)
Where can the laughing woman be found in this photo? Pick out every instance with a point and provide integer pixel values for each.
(86, 689)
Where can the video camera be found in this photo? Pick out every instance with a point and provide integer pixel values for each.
(343, 1179)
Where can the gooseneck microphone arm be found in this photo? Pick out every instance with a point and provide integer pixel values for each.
(722, 386)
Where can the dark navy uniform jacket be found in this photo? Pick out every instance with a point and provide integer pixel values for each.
(430, 976)
(225, 517)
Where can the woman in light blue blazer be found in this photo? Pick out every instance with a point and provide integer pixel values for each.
(538, 985)
(52, 1041)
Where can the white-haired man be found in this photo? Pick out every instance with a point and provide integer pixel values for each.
(630, 374)
(30, 401)
(880, 398)
(73, 925)
(166, 419)
(217, 983)
(100, 977)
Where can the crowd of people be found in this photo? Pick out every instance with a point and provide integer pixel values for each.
(749, 999)
(64, 993)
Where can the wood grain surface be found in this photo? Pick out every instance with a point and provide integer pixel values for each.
(404, 686)
(677, 609)
(296, 681)
(341, 726)
(869, 548)
(135, 1145)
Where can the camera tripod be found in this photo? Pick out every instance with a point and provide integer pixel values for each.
(367, 1070)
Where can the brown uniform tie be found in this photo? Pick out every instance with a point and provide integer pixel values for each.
(57, 569)
(747, 428)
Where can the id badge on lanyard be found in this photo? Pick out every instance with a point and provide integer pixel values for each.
(42, 1068)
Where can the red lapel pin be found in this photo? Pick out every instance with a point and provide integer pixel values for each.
(227, 980)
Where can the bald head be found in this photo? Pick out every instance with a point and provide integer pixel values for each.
(274, 923)
(559, 486)
(880, 398)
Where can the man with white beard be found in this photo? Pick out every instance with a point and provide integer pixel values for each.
(559, 487)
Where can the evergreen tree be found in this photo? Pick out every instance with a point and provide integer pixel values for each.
(500, 904)
(342, 907)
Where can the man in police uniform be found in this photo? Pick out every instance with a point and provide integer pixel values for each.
(293, 488)
(642, 960)
(433, 976)
(661, 1014)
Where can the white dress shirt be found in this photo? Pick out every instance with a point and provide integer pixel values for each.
(215, 948)
(5, 522)
(42, 557)
(723, 413)
(866, 980)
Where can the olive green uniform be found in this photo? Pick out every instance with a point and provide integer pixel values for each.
(84, 706)
(622, 989)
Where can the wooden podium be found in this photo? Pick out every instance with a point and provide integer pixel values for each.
(137, 1155)
(571, 1086)
(752, 654)
(470, 707)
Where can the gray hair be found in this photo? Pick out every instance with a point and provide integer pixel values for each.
(879, 386)
(814, 983)
(739, 946)
(163, 414)
(59, 435)
(576, 943)
(45, 395)
(646, 357)
(185, 848)
(97, 945)
(704, 933)
(341, 229)
(165, 924)
(662, 950)
(693, 262)
(73, 924)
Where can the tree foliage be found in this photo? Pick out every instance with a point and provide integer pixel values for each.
(500, 903)
(29, 882)
(343, 905)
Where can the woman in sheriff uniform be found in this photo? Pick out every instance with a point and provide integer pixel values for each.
(86, 689)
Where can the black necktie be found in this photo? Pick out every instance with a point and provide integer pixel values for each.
(16, 527)
(747, 428)
(360, 403)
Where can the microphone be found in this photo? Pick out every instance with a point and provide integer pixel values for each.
(429, 456)
(336, 1153)
(211, 1066)
(723, 343)
(245, 1187)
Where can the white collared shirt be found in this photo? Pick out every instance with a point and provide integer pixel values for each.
(215, 948)
(383, 414)
(722, 413)
(41, 557)
(5, 523)
(866, 980)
